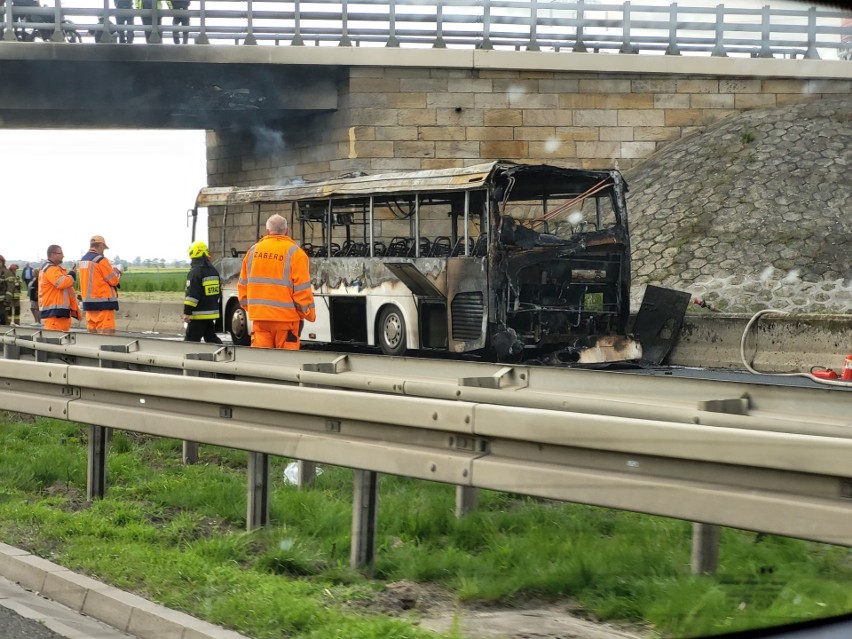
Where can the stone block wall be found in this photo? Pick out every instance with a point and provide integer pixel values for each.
(399, 118)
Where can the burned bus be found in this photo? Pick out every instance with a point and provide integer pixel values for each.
(503, 259)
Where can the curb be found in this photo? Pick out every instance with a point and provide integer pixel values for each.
(115, 607)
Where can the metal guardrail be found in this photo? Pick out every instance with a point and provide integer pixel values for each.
(530, 25)
(743, 454)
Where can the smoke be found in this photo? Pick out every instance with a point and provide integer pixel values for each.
(267, 142)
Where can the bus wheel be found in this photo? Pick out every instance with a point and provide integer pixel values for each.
(238, 327)
(392, 331)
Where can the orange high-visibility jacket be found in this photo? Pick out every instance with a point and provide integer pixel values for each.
(98, 281)
(56, 294)
(275, 281)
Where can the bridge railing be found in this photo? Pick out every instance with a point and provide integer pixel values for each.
(528, 25)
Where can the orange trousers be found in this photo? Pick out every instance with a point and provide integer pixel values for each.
(100, 321)
(57, 323)
(265, 334)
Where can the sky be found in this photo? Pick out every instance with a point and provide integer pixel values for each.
(134, 187)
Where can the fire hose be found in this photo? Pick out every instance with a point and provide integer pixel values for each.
(845, 383)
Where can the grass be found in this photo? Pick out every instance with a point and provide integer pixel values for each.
(175, 534)
(153, 280)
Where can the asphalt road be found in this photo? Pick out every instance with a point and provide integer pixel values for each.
(14, 626)
(25, 615)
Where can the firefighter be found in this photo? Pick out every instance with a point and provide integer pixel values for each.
(203, 297)
(5, 279)
(98, 287)
(57, 299)
(13, 297)
(275, 288)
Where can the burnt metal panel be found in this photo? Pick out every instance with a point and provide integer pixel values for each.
(419, 284)
(658, 322)
(467, 283)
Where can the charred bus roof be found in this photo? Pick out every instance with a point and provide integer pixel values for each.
(538, 180)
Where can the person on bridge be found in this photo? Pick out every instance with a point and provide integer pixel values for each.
(13, 297)
(275, 288)
(148, 20)
(98, 287)
(179, 5)
(203, 297)
(124, 23)
(57, 299)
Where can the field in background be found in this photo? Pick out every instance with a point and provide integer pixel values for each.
(148, 280)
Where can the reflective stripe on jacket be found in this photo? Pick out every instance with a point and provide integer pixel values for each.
(203, 298)
(56, 294)
(98, 280)
(275, 281)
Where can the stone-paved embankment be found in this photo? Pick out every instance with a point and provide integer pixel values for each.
(753, 212)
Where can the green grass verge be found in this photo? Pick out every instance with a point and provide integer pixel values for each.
(175, 534)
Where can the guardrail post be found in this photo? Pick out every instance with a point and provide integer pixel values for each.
(765, 35)
(705, 537)
(190, 452)
(532, 45)
(250, 39)
(8, 31)
(365, 511)
(57, 36)
(96, 472)
(719, 47)
(579, 45)
(439, 31)
(467, 500)
(297, 27)
(626, 47)
(154, 35)
(705, 548)
(811, 53)
(344, 25)
(393, 41)
(11, 351)
(257, 513)
(307, 473)
(106, 36)
(190, 449)
(201, 38)
(485, 43)
(673, 49)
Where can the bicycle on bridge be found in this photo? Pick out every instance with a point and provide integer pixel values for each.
(31, 21)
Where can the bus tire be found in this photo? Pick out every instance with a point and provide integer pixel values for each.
(391, 331)
(238, 325)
